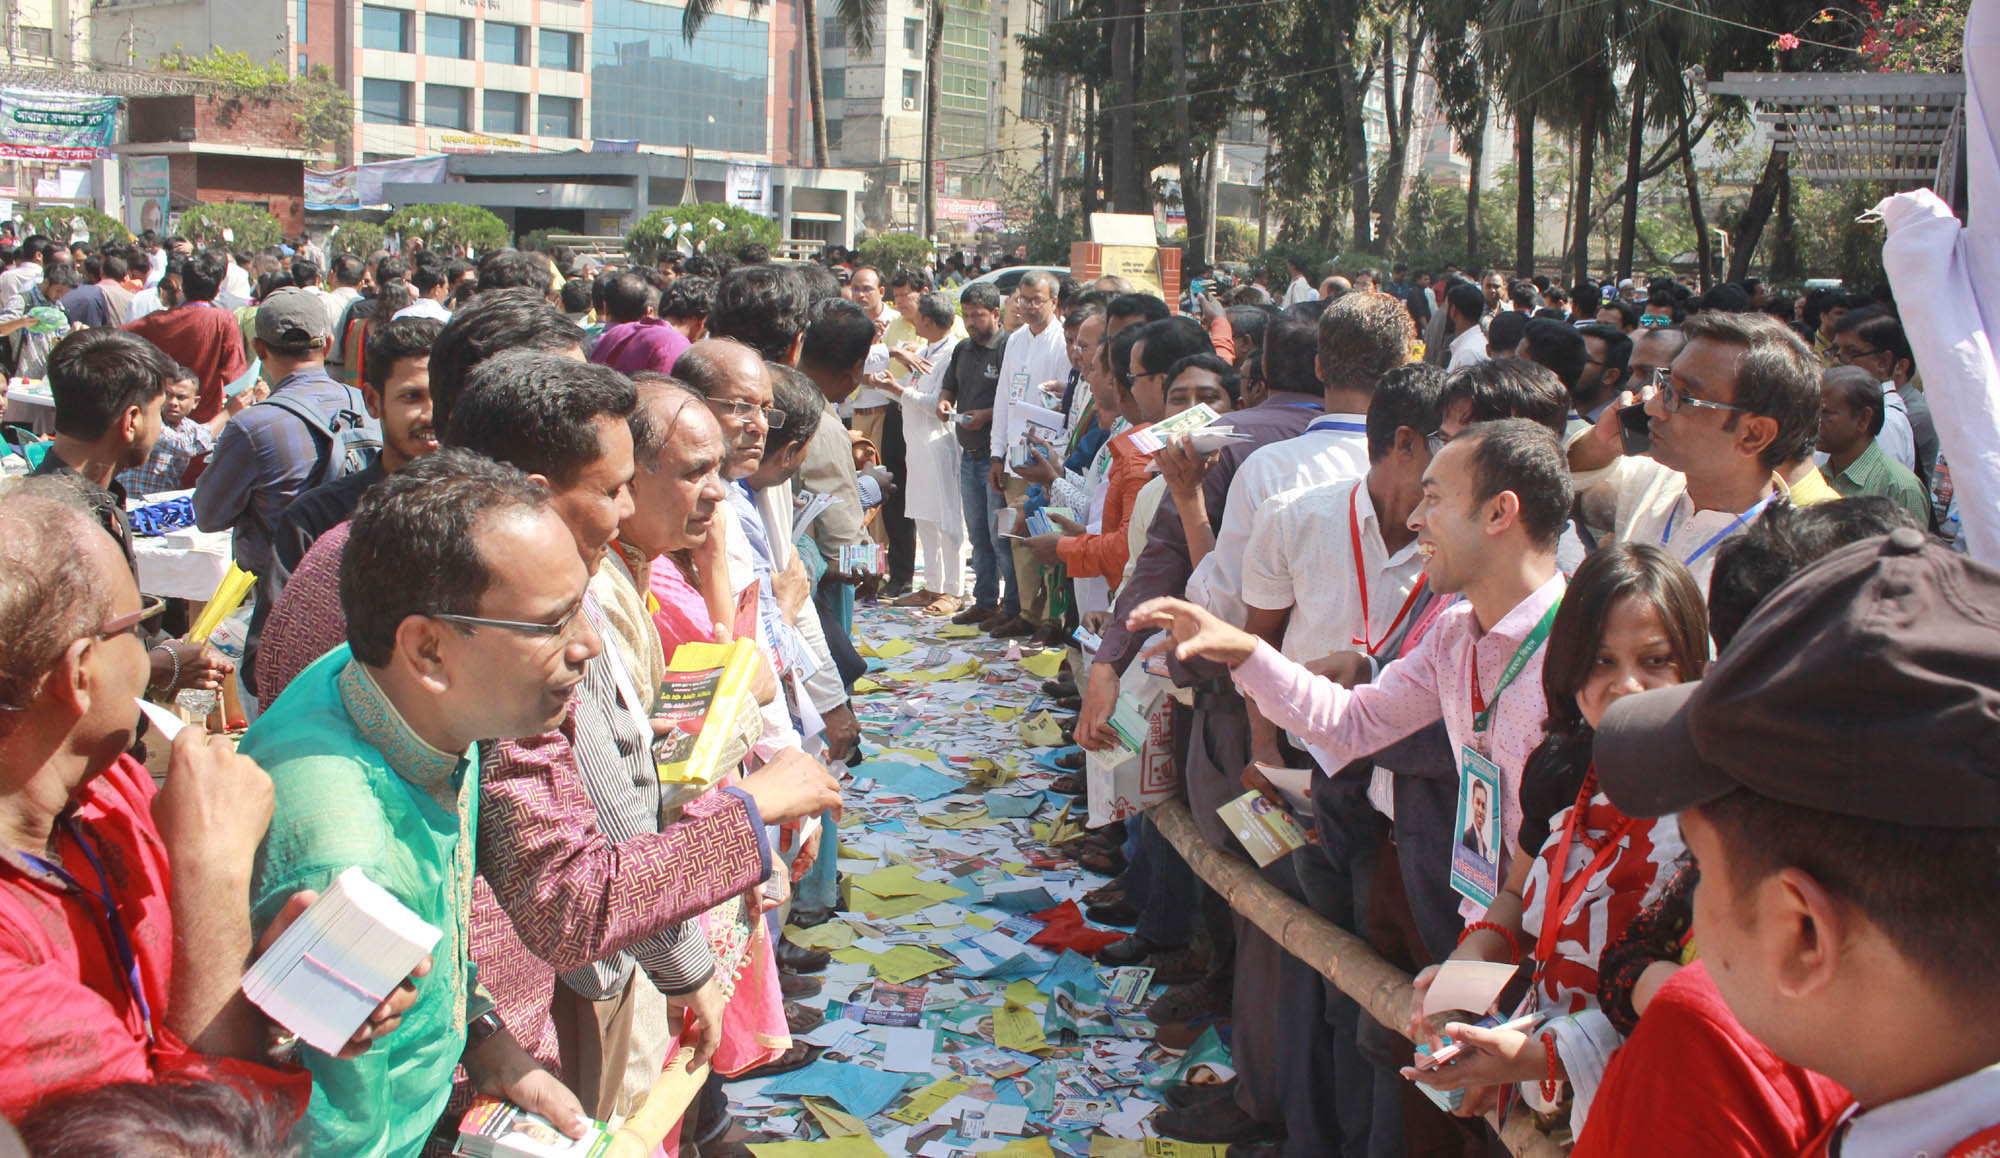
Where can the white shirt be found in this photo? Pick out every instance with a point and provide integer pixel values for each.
(1334, 449)
(156, 267)
(1300, 290)
(236, 282)
(1933, 1122)
(336, 302)
(1898, 438)
(1468, 348)
(1028, 360)
(17, 281)
(1301, 556)
(868, 397)
(1653, 507)
(146, 301)
(425, 308)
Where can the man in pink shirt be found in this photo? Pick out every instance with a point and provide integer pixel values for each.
(1495, 500)
(638, 338)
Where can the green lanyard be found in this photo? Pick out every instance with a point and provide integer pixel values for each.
(1482, 713)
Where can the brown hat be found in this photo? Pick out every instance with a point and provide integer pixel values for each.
(1867, 685)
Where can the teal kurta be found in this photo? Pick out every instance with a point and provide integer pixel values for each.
(356, 786)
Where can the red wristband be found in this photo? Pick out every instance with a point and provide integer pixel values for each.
(1552, 1084)
(1513, 942)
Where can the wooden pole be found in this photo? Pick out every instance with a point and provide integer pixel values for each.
(642, 1133)
(1382, 990)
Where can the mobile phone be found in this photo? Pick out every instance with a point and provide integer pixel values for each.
(1633, 429)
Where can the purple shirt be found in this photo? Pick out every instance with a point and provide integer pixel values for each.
(647, 344)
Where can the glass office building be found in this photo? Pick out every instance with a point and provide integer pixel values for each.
(649, 84)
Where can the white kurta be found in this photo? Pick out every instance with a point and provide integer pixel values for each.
(931, 491)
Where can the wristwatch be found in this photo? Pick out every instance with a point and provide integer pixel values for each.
(483, 1027)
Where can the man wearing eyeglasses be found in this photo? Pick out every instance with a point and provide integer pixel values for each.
(126, 908)
(1740, 400)
(374, 754)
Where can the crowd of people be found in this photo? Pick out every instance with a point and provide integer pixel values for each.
(1619, 631)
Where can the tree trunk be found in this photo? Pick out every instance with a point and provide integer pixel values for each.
(1704, 250)
(1344, 20)
(1128, 185)
(1192, 179)
(933, 104)
(1060, 156)
(1092, 144)
(1524, 191)
(1757, 213)
(1475, 152)
(1586, 163)
(815, 81)
(1400, 118)
(1785, 249)
(1635, 148)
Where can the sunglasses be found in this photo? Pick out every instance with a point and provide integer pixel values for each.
(519, 626)
(149, 608)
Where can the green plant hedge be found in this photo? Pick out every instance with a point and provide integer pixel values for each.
(708, 227)
(451, 228)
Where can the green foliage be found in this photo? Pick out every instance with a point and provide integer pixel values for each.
(1235, 240)
(360, 238)
(1316, 258)
(889, 251)
(1049, 236)
(215, 223)
(537, 240)
(53, 221)
(707, 227)
(451, 228)
(325, 112)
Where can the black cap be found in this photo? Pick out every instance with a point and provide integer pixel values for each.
(1868, 685)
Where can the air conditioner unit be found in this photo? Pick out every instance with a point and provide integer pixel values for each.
(909, 104)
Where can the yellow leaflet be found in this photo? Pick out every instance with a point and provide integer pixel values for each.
(830, 935)
(862, 1147)
(1040, 731)
(929, 1100)
(1022, 1148)
(1168, 1148)
(1103, 1147)
(1017, 1029)
(901, 881)
(1003, 715)
(837, 1122)
(905, 963)
(959, 631)
(888, 908)
(957, 671)
(979, 922)
(891, 649)
(991, 773)
(1023, 992)
(977, 818)
(924, 754)
(864, 685)
(1044, 664)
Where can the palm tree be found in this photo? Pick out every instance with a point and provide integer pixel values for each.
(857, 24)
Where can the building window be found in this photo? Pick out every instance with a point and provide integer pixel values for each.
(506, 112)
(833, 137)
(385, 102)
(303, 68)
(834, 82)
(913, 86)
(561, 51)
(913, 36)
(299, 33)
(447, 106)
(558, 116)
(650, 84)
(385, 29)
(448, 36)
(37, 41)
(506, 43)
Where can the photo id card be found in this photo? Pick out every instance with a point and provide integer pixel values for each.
(1475, 854)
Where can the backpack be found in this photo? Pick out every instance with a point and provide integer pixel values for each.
(351, 444)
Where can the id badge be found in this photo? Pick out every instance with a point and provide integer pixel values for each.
(1475, 852)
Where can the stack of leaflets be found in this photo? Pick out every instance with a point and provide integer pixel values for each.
(1196, 422)
(707, 695)
(348, 951)
(1041, 523)
(861, 559)
(1267, 830)
(809, 508)
(496, 1129)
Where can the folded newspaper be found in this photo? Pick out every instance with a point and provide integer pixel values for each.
(707, 695)
(496, 1129)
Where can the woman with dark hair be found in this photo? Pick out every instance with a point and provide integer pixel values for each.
(1632, 620)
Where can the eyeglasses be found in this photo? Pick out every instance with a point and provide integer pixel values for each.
(523, 627)
(744, 411)
(1847, 357)
(1673, 399)
(148, 609)
(1436, 441)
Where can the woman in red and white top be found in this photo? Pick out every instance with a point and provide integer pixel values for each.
(1633, 619)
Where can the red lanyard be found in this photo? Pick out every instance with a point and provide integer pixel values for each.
(1554, 915)
(1361, 578)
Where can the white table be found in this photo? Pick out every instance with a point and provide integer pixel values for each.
(32, 407)
(187, 564)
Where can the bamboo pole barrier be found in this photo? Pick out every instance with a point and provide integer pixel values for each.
(1382, 990)
(641, 1134)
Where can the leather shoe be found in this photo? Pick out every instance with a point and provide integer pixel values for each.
(800, 959)
(1063, 686)
(1013, 628)
(974, 614)
(794, 986)
(1070, 784)
(796, 1058)
(1219, 1121)
(1204, 998)
(1130, 950)
(1116, 912)
(802, 1019)
(1071, 761)
(807, 918)
(1181, 1095)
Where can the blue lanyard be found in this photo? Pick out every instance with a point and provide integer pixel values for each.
(1332, 423)
(121, 942)
(1724, 533)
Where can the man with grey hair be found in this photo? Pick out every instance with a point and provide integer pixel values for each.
(1033, 367)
